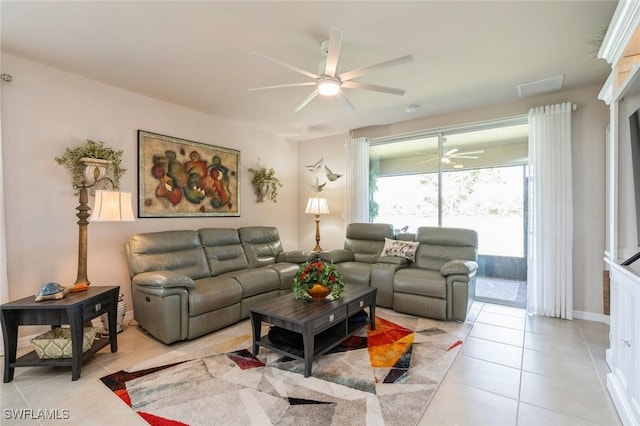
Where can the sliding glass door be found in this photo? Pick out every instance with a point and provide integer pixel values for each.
(470, 178)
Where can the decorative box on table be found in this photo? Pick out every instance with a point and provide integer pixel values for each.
(56, 343)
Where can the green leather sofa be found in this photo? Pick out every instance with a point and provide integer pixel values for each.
(187, 283)
(437, 280)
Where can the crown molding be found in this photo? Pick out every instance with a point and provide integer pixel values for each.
(624, 23)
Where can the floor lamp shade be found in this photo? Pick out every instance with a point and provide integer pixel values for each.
(112, 206)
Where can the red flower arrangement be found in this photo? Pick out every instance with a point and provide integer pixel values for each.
(317, 272)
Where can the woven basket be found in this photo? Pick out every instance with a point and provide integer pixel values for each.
(56, 343)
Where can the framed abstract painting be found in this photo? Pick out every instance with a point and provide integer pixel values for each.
(178, 177)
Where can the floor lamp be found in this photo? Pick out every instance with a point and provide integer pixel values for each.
(317, 206)
(109, 206)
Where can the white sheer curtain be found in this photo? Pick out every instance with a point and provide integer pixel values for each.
(4, 283)
(550, 254)
(357, 181)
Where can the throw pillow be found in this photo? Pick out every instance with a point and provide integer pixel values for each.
(397, 248)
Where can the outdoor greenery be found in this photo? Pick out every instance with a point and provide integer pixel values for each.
(492, 201)
(374, 207)
(477, 192)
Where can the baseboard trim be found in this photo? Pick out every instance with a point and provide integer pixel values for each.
(591, 316)
(617, 391)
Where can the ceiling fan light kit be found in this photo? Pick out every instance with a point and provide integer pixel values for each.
(328, 86)
(329, 82)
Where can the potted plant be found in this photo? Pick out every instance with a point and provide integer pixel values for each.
(317, 280)
(76, 161)
(265, 184)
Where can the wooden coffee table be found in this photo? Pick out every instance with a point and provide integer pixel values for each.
(310, 319)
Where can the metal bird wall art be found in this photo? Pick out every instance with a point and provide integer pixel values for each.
(318, 187)
(315, 168)
(330, 175)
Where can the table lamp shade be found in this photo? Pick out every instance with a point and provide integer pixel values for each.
(317, 205)
(112, 206)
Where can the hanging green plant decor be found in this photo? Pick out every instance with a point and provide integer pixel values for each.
(92, 149)
(265, 184)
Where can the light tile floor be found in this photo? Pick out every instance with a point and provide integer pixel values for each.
(526, 371)
(512, 370)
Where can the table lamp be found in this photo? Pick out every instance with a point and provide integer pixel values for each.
(317, 206)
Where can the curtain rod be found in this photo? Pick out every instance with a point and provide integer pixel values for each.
(480, 125)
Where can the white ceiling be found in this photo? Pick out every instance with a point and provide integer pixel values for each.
(196, 54)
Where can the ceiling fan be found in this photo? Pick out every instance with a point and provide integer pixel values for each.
(328, 81)
(452, 154)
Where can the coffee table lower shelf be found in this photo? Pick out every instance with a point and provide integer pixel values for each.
(323, 342)
(321, 326)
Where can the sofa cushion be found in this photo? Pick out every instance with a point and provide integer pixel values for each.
(406, 249)
(296, 256)
(420, 282)
(286, 271)
(213, 293)
(355, 272)
(179, 251)
(366, 240)
(261, 244)
(223, 250)
(256, 280)
(440, 245)
(457, 266)
(336, 256)
(163, 279)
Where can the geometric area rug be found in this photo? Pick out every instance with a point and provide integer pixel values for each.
(385, 376)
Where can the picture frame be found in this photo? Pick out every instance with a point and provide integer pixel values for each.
(183, 178)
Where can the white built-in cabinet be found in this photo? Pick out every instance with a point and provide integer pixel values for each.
(623, 355)
(621, 48)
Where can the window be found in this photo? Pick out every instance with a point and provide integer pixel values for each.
(472, 177)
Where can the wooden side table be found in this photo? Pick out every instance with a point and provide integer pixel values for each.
(74, 309)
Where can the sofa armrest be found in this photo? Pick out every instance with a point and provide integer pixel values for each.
(394, 260)
(337, 256)
(163, 279)
(296, 256)
(458, 266)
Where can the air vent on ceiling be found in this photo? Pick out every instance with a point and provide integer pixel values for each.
(540, 86)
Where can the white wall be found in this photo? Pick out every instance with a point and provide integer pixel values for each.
(332, 228)
(45, 110)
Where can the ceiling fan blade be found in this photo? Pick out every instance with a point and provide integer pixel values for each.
(333, 53)
(469, 153)
(377, 67)
(307, 100)
(278, 86)
(373, 87)
(347, 104)
(464, 156)
(291, 67)
(450, 152)
(428, 160)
